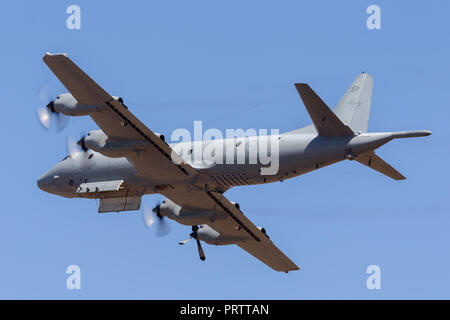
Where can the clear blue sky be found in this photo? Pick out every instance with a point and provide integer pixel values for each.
(180, 61)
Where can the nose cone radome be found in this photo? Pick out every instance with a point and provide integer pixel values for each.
(44, 181)
(51, 181)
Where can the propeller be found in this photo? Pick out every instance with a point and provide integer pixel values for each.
(82, 143)
(78, 149)
(194, 235)
(72, 146)
(46, 112)
(154, 215)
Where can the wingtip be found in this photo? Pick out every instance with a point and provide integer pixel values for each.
(49, 54)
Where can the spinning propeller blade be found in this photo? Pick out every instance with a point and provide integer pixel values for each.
(79, 152)
(151, 216)
(148, 216)
(46, 112)
(184, 241)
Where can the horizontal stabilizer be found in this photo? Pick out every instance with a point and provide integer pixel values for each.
(325, 121)
(373, 161)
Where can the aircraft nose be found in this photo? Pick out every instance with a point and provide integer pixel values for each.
(48, 182)
(43, 181)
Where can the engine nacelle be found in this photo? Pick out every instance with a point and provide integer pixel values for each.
(210, 236)
(66, 104)
(189, 217)
(205, 233)
(98, 141)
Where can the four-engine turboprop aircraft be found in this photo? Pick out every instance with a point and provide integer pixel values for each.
(126, 160)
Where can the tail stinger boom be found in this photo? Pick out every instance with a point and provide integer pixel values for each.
(365, 153)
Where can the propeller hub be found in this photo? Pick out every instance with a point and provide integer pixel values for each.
(157, 210)
(82, 144)
(51, 106)
(46, 111)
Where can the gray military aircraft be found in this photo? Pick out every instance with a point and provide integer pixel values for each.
(126, 160)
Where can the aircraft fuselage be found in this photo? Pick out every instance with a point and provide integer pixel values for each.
(297, 154)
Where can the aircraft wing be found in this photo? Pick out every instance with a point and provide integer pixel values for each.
(235, 224)
(117, 122)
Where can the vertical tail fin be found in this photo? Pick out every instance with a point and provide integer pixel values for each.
(354, 107)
